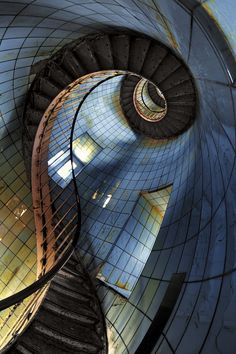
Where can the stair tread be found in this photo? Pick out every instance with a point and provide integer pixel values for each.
(72, 292)
(154, 57)
(165, 69)
(102, 48)
(59, 74)
(86, 57)
(86, 321)
(62, 340)
(120, 51)
(71, 304)
(138, 50)
(36, 343)
(179, 76)
(70, 62)
(184, 88)
(72, 329)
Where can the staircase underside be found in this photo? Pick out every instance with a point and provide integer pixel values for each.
(130, 52)
(70, 319)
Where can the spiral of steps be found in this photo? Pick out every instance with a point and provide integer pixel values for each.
(129, 52)
(156, 98)
(70, 319)
(178, 118)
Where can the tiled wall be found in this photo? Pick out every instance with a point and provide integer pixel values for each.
(198, 232)
(128, 256)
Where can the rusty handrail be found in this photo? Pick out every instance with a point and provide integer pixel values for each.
(49, 260)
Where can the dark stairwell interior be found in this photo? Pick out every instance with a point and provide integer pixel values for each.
(174, 175)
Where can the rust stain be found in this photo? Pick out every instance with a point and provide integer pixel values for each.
(159, 212)
(230, 37)
(210, 12)
(163, 22)
(122, 285)
(171, 38)
(150, 143)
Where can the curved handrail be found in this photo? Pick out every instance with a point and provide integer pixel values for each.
(38, 284)
(47, 275)
(146, 112)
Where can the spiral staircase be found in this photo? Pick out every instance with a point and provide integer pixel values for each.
(68, 317)
(133, 53)
(71, 297)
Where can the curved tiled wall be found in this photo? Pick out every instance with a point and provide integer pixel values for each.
(197, 234)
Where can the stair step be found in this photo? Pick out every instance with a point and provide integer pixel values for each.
(48, 88)
(157, 129)
(154, 57)
(175, 124)
(102, 48)
(167, 129)
(86, 57)
(32, 129)
(183, 100)
(179, 76)
(21, 349)
(165, 69)
(38, 343)
(74, 256)
(39, 101)
(58, 75)
(67, 279)
(127, 101)
(71, 329)
(69, 343)
(184, 88)
(127, 92)
(69, 270)
(184, 118)
(138, 51)
(70, 293)
(69, 303)
(33, 116)
(156, 98)
(131, 81)
(181, 109)
(120, 51)
(70, 62)
(59, 311)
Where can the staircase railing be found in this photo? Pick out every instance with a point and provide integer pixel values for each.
(144, 104)
(55, 202)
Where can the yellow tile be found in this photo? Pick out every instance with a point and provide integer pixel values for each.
(14, 266)
(14, 283)
(31, 241)
(27, 216)
(16, 246)
(29, 279)
(7, 257)
(13, 202)
(2, 286)
(8, 238)
(2, 267)
(3, 249)
(23, 252)
(4, 212)
(7, 276)
(3, 230)
(23, 271)
(18, 226)
(30, 260)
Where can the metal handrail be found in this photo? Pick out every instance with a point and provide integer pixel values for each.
(146, 112)
(48, 274)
